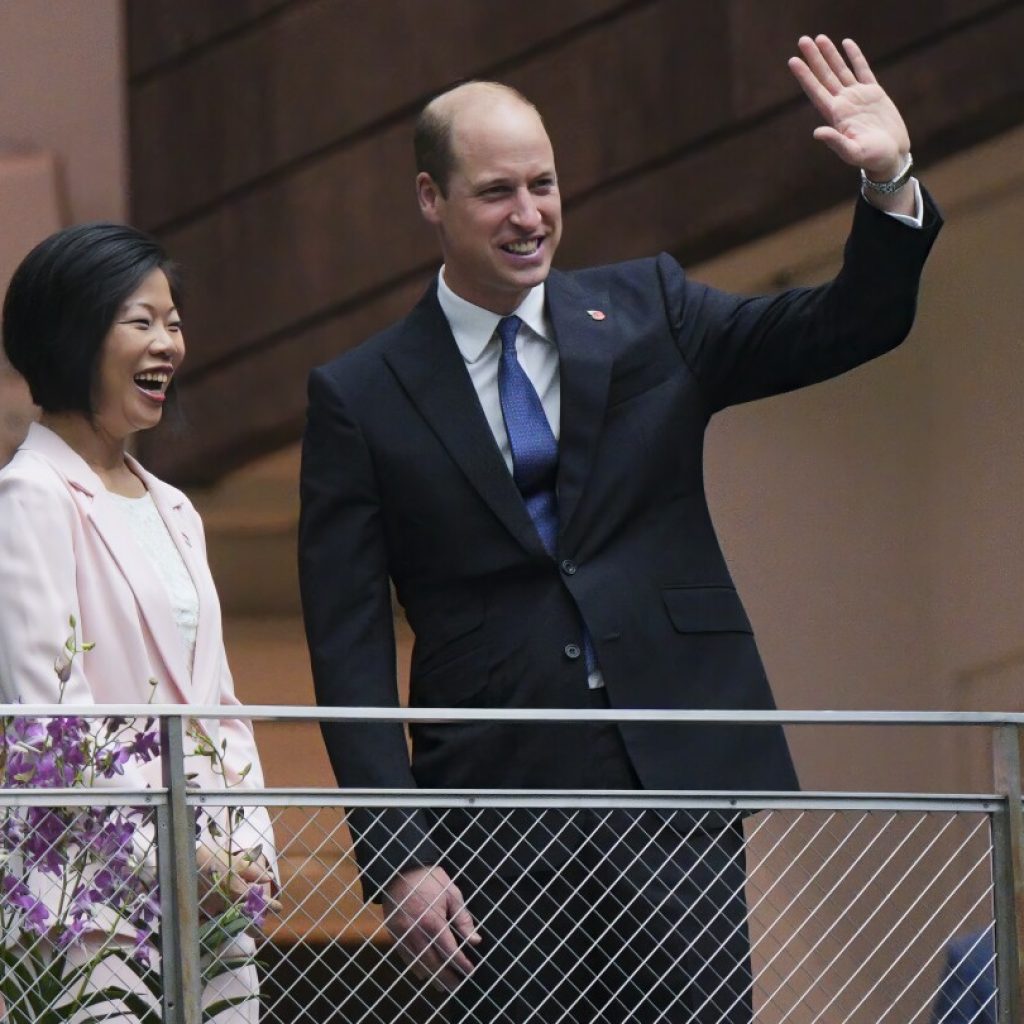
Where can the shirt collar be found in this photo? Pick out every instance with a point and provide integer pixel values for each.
(473, 326)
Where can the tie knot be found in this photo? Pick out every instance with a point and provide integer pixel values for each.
(508, 328)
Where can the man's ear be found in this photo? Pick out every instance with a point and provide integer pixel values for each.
(429, 197)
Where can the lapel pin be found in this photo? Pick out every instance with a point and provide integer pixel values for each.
(595, 314)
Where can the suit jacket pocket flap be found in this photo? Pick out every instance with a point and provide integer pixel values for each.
(706, 610)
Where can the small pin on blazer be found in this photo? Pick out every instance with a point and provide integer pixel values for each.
(595, 314)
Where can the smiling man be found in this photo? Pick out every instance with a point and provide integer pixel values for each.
(522, 457)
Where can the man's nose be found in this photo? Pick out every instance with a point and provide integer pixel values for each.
(526, 214)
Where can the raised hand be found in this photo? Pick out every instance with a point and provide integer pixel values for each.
(429, 922)
(862, 125)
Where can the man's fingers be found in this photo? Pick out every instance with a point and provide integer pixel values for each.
(813, 89)
(859, 63)
(432, 953)
(834, 60)
(812, 55)
(446, 948)
(462, 921)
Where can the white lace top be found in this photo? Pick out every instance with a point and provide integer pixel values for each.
(151, 534)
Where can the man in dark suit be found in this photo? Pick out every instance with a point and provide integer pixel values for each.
(522, 457)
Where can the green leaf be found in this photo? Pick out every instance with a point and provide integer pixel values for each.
(145, 1013)
(19, 972)
(217, 968)
(221, 1005)
(221, 930)
(16, 986)
(131, 1001)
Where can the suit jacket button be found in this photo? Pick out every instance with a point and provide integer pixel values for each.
(568, 566)
(572, 651)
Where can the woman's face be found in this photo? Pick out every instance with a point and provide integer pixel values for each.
(141, 352)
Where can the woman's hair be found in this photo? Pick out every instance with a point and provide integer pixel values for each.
(64, 298)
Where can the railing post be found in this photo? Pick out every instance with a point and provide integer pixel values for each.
(179, 893)
(1008, 864)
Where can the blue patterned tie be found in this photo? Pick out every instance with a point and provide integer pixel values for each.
(534, 448)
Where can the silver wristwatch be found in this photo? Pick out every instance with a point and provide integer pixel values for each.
(886, 188)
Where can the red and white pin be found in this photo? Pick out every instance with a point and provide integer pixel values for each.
(596, 314)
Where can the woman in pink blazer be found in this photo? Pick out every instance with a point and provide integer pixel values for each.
(91, 321)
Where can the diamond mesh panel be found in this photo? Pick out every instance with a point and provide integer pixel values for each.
(626, 914)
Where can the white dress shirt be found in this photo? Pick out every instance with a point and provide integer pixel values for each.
(474, 330)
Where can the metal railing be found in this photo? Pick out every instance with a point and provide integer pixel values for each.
(807, 908)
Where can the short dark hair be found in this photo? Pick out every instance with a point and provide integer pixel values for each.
(432, 135)
(432, 145)
(63, 299)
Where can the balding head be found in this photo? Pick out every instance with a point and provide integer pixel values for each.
(434, 137)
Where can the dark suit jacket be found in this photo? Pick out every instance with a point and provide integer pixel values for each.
(401, 478)
(968, 993)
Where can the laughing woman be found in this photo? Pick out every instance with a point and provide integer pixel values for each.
(91, 322)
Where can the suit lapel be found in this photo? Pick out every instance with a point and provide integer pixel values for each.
(428, 365)
(585, 361)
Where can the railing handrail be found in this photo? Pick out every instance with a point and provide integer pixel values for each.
(292, 712)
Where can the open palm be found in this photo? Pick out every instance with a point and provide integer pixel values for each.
(862, 125)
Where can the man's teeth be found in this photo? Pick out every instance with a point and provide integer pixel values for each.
(527, 248)
(153, 381)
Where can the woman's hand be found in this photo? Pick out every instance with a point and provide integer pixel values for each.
(226, 881)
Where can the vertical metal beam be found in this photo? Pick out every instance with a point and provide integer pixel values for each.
(1008, 865)
(179, 891)
(169, 950)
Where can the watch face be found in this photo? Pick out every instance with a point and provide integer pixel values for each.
(888, 187)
